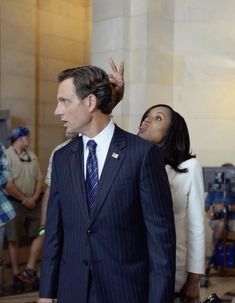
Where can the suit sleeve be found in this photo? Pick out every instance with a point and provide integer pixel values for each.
(53, 243)
(159, 221)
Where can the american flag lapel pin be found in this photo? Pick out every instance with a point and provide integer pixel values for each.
(115, 155)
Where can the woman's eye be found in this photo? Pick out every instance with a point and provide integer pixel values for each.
(158, 118)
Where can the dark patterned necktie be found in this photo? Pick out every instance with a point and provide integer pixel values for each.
(91, 175)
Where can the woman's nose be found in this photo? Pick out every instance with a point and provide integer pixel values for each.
(147, 119)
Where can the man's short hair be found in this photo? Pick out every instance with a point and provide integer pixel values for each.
(90, 80)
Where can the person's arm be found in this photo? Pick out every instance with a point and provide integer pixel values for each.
(44, 206)
(11, 189)
(218, 207)
(209, 202)
(31, 202)
(39, 182)
(117, 81)
(47, 191)
(15, 192)
(159, 221)
(38, 189)
(231, 208)
(53, 244)
(196, 234)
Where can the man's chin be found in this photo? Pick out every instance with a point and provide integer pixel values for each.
(70, 134)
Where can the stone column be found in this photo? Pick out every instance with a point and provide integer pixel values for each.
(140, 32)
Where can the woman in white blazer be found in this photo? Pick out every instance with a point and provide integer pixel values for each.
(167, 128)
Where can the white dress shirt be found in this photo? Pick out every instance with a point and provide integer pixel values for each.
(188, 202)
(102, 140)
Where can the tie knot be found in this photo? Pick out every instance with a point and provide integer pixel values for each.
(92, 145)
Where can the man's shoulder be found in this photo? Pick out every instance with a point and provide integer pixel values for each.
(133, 138)
(10, 151)
(62, 145)
(67, 146)
(32, 155)
(135, 144)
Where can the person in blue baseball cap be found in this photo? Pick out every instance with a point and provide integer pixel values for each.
(19, 131)
(24, 188)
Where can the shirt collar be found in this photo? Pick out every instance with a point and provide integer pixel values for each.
(104, 136)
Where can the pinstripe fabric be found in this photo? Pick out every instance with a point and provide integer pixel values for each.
(91, 175)
(129, 239)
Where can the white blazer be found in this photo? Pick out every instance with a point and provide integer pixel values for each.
(188, 202)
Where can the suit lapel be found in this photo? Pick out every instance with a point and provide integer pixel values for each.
(111, 167)
(77, 172)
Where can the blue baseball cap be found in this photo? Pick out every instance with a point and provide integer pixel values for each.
(18, 132)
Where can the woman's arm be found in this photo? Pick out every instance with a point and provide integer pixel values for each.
(196, 234)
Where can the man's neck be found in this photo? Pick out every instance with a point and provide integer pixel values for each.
(18, 147)
(99, 123)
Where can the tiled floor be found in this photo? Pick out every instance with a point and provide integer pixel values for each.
(219, 285)
(24, 298)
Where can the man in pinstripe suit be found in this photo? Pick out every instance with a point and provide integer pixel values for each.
(122, 250)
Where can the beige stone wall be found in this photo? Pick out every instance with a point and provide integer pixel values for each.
(177, 52)
(37, 40)
(17, 46)
(204, 76)
(64, 40)
(138, 32)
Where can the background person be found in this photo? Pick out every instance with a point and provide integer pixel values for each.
(220, 207)
(46, 194)
(24, 187)
(165, 127)
(7, 212)
(111, 240)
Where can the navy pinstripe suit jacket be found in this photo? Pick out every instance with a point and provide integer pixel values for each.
(129, 240)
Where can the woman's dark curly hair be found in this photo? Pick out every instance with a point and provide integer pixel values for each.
(176, 144)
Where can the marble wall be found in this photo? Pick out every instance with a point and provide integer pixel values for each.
(138, 32)
(177, 52)
(17, 45)
(64, 40)
(204, 76)
(37, 40)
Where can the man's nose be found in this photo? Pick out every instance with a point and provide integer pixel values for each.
(58, 111)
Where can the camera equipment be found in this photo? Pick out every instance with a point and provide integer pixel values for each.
(213, 298)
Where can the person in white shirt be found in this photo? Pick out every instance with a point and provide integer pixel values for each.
(167, 128)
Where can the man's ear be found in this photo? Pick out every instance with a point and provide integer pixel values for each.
(91, 102)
